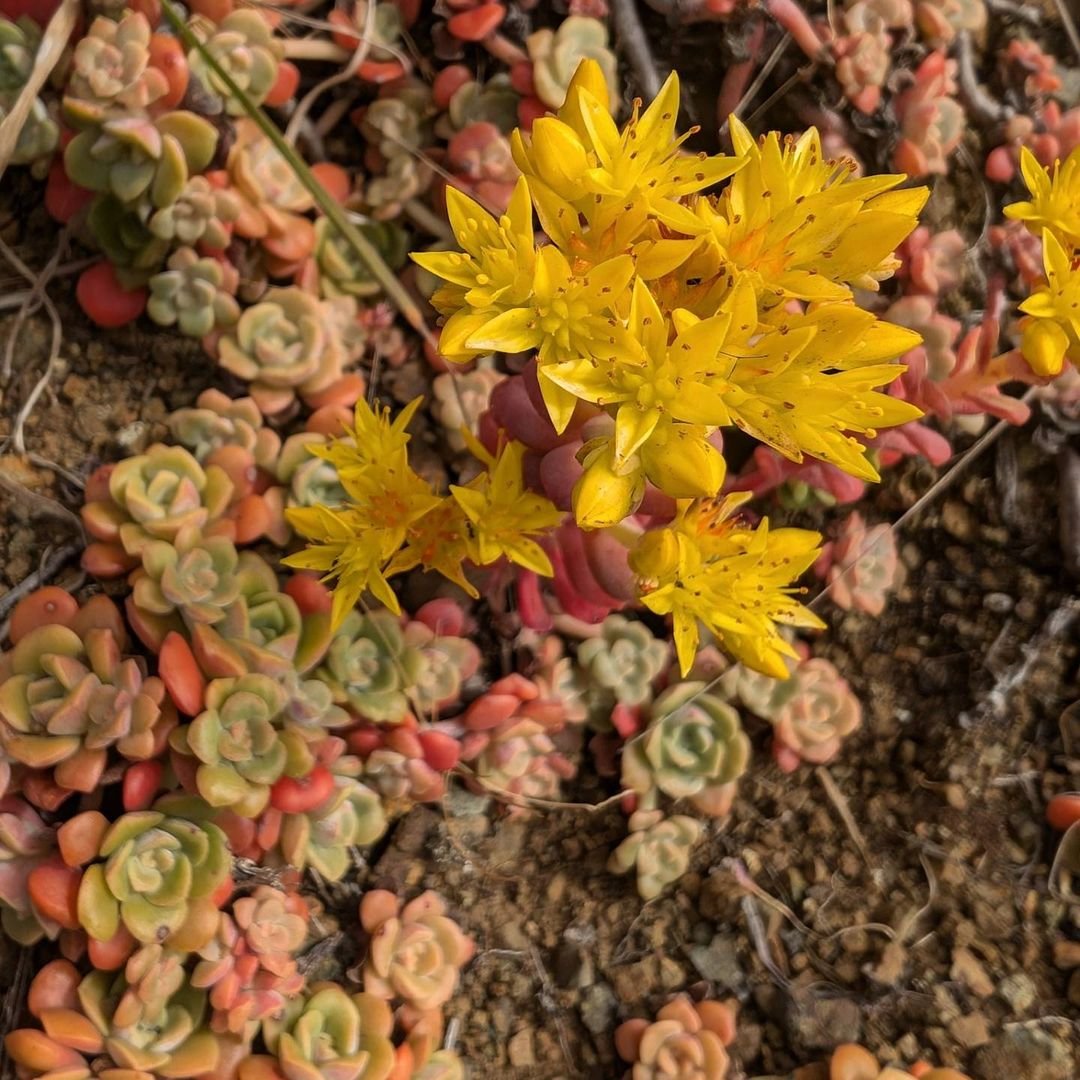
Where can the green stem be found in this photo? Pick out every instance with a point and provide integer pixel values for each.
(363, 247)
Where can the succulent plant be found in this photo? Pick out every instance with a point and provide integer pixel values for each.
(694, 748)
(341, 272)
(217, 420)
(25, 843)
(262, 631)
(351, 816)
(812, 713)
(370, 668)
(459, 400)
(416, 951)
(395, 127)
(931, 119)
(863, 55)
(271, 195)
(40, 133)
(158, 878)
(309, 480)
(290, 343)
(139, 159)
(853, 1062)
(861, 566)
(201, 214)
(623, 661)
(69, 695)
(494, 101)
(328, 1033)
(555, 55)
(19, 43)
(243, 45)
(241, 744)
(192, 294)
(481, 161)
(686, 1041)
(248, 966)
(446, 659)
(657, 849)
(121, 233)
(102, 1019)
(939, 21)
(111, 74)
(518, 758)
(751, 689)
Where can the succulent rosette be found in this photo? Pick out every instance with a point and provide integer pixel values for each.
(812, 713)
(686, 1041)
(416, 951)
(26, 843)
(621, 663)
(330, 1033)
(241, 744)
(105, 1024)
(157, 877)
(68, 695)
(658, 849)
(694, 748)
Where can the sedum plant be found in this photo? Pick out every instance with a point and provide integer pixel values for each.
(40, 134)
(192, 294)
(327, 1033)
(201, 214)
(150, 1027)
(244, 45)
(694, 748)
(26, 843)
(812, 712)
(622, 662)
(657, 850)
(415, 953)
(157, 877)
(686, 1041)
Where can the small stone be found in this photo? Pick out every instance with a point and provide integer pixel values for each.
(1018, 990)
(967, 968)
(1066, 954)
(598, 1005)
(520, 1048)
(1073, 991)
(718, 962)
(970, 1031)
(890, 968)
(815, 1023)
(957, 520)
(512, 936)
(556, 889)
(1028, 1052)
(997, 602)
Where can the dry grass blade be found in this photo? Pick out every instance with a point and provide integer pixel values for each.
(53, 43)
(363, 247)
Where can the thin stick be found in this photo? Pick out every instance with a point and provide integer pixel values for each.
(631, 36)
(48, 569)
(759, 80)
(53, 43)
(530, 802)
(303, 106)
(45, 506)
(836, 797)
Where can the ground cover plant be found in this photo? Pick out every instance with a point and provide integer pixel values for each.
(490, 623)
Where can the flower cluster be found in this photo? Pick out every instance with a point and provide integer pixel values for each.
(1051, 328)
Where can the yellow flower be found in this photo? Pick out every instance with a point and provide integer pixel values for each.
(503, 515)
(579, 162)
(1052, 329)
(808, 385)
(342, 546)
(438, 541)
(566, 318)
(802, 224)
(373, 437)
(710, 567)
(493, 272)
(1055, 201)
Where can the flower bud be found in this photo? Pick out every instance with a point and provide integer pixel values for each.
(602, 497)
(656, 556)
(685, 465)
(558, 156)
(1044, 346)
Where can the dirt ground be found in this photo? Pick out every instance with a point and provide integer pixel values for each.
(899, 898)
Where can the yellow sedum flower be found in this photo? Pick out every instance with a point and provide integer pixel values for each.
(579, 162)
(1055, 200)
(1051, 333)
(802, 225)
(709, 566)
(504, 515)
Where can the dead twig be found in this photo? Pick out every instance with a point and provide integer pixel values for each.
(836, 797)
(45, 505)
(53, 43)
(44, 574)
(530, 802)
(1070, 26)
